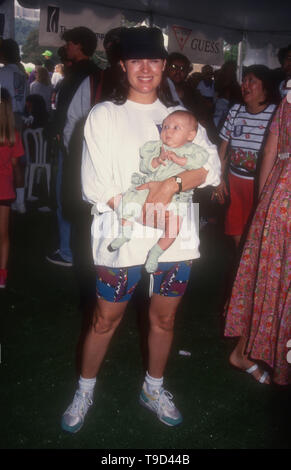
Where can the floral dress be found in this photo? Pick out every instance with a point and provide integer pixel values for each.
(260, 304)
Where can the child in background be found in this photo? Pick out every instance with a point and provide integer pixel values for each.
(160, 160)
(10, 150)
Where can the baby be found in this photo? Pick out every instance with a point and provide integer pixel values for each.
(161, 160)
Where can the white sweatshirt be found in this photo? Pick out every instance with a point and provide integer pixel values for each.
(78, 109)
(113, 137)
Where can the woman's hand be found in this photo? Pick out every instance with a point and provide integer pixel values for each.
(160, 195)
(220, 193)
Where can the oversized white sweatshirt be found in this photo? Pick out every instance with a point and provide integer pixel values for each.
(113, 137)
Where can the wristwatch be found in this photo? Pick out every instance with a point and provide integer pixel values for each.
(179, 183)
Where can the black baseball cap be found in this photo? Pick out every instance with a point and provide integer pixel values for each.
(142, 43)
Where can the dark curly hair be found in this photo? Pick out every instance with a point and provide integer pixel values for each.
(181, 57)
(264, 74)
(282, 53)
(83, 36)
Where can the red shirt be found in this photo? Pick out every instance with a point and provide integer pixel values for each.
(6, 169)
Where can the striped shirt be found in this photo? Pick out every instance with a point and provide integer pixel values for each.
(245, 132)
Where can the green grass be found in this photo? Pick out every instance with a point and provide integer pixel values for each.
(40, 326)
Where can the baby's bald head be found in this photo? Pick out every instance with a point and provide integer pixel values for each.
(179, 128)
(185, 116)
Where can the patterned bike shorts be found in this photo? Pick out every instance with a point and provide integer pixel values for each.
(118, 284)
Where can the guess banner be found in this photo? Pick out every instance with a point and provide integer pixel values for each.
(57, 16)
(195, 45)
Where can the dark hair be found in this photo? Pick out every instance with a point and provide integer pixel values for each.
(282, 54)
(62, 53)
(226, 84)
(38, 111)
(83, 36)
(49, 65)
(206, 67)
(111, 44)
(177, 56)
(10, 51)
(120, 93)
(7, 123)
(264, 74)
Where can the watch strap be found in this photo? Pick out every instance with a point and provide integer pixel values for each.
(179, 183)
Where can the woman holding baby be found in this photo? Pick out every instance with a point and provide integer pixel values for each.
(114, 133)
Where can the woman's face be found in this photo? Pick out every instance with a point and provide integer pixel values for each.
(177, 71)
(252, 90)
(73, 50)
(144, 77)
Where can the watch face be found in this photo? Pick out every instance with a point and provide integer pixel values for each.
(178, 179)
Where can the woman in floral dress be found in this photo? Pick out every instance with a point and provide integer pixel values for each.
(260, 306)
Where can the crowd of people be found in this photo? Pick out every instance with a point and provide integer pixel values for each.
(132, 142)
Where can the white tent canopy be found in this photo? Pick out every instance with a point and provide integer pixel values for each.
(264, 20)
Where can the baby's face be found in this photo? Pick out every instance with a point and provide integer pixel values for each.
(177, 130)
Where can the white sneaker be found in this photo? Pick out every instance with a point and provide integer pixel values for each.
(44, 209)
(162, 405)
(73, 418)
(18, 207)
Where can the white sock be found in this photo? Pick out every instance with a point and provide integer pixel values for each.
(87, 385)
(20, 195)
(152, 384)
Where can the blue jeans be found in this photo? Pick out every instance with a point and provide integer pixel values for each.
(64, 225)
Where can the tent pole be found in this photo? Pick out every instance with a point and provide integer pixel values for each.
(240, 57)
(151, 19)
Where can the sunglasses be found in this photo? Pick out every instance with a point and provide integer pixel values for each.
(181, 68)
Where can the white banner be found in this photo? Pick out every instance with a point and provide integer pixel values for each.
(266, 55)
(7, 19)
(57, 16)
(195, 45)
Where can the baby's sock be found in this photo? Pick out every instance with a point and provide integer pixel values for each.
(151, 264)
(125, 237)
(117, 243)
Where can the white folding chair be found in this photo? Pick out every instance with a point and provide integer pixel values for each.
(36, 151)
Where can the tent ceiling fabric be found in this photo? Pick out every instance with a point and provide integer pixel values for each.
(263, 19)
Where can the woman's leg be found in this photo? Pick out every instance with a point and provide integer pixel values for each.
(239, 359)
(4, 236)
(153, 395)
(236, 239)
(162, 316)
(106, 319)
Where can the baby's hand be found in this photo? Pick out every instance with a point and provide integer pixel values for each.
(174, 158)
(160, 160)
